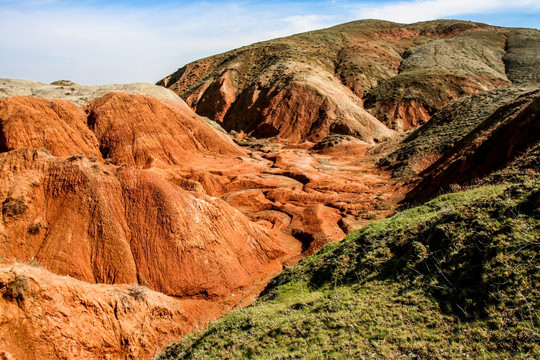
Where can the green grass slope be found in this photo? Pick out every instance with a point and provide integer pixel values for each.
(455, 278)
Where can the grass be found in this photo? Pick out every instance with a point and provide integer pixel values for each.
(454, 278)
(357, 323)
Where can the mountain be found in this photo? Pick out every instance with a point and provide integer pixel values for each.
(365, 78)
(131, 218)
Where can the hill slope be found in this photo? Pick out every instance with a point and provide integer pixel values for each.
(463, 122)
(72, 212)
(456, 277)
(362, 78)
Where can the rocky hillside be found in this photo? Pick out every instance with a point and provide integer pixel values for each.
(84, 193)
(366, 78)
(466, 122)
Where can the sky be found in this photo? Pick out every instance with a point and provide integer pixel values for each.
(96, 42)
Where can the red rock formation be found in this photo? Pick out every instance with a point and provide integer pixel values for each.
(218, 97)
(56, 125)
(303, 110)
(142, 131)
(314, 195)
(44, 316)
(122, 225)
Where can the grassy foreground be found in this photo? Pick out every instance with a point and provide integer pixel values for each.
(455, 278)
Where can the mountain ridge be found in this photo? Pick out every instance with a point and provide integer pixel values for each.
(401, 74)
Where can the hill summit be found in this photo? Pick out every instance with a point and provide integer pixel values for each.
(369, 78)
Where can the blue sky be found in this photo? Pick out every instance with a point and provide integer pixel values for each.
(119, 41)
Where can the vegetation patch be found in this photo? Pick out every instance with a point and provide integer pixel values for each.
(13, 207)
(17, 288)
(75, 157)
(35, 228)
(138, 292)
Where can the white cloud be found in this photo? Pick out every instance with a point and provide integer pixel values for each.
(303, 23)
(421, 10)
(127, 44)
(47, 40)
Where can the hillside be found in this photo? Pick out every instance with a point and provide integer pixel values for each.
(134, 190)
(366, 78)
(463, 121)
(454, 278)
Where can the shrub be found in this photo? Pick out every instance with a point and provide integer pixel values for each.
(383, 206)
(75, 157)
(17, 288)
(137, 292)
(34, 263)
(13, 207)
(45, 150)
(34, 228)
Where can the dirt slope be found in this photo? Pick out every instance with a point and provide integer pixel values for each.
(47, 316)
(450, 125)
(186, 212)
(143, 131)
(79, 94)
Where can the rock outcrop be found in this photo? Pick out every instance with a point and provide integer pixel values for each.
(142, 131)
(58, 126)
(76, 214)
(44, 316)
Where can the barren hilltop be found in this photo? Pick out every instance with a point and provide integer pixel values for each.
(371, 187)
